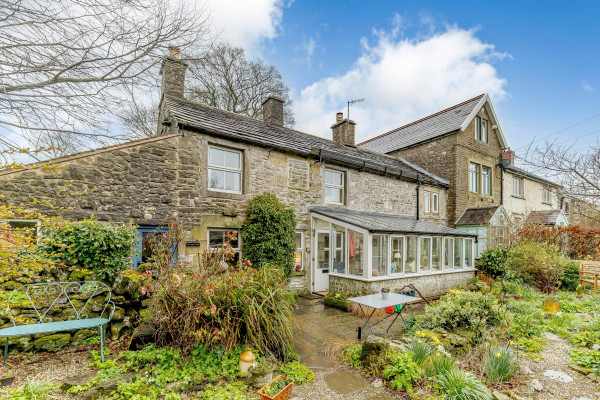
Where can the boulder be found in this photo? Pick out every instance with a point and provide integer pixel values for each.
(499, 396)
(511, 395)
(83, 334)
(558, 376)
(52, 343)
(78, 380)
(584, 317)
(536, 385)
(127, 283)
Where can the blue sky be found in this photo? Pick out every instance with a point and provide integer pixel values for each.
(539, 61)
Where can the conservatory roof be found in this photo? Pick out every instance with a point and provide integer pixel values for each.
(386, 223)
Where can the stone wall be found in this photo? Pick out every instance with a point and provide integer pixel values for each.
(428, 285)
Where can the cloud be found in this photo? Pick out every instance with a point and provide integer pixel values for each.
(309, 48)
(245, 23)
(587, 87)
(402, 80)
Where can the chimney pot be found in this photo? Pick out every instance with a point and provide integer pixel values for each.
(173, 73)
(273, 110)
(339, 116)
(509, 155)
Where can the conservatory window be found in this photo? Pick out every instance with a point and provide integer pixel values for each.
(356, 252)
(448, 253)
(425, 261)
(379, 254)
(436, 244)
(410, 265)
(397, 245)
(468, 253)
(339, 249)
(458, 252)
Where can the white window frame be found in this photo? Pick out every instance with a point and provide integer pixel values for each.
(435, 203)
(427, 201)
(37, 222)
(239, 170)
(478, 127)
(421, 239)
(333, 186)
(487, 183)
(476, 181)
(484, 128)
(546, 199)
(237, 249)
(519, 184)
(298, 249)
(464, 257)
(450, 266)
(401, 269)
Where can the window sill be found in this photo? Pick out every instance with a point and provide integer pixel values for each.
(224, 194)
(518, 197)
(546, 203)
(402, 276)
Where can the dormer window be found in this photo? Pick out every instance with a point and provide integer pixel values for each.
(481, 129)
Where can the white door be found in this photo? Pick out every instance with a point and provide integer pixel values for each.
(321, 260)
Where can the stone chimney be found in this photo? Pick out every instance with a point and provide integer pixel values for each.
(343, 130)
(273, 110)
(509, 155)
(173, 73)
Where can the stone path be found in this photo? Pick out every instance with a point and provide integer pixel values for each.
(322, 331)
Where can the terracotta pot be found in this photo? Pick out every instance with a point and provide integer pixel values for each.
(551, 306)
(517, 297)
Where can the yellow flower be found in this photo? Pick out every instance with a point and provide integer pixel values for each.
(420, 341)
(511, 342)
(498, 355)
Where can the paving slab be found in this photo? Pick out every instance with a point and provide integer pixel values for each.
(380, 396)
(317, 360)
(304, 348)
(345, 382)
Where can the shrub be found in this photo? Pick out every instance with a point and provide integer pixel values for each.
(586, 358)
(298, 372)
(530, 346)
(213, 304)
(102, 247)
(578, 242)
(538, 263)
(231, 391)
(460, 309)
(352, 355)
(456, 384)
(570, 279)
(420, 350)
(585, 338)
(268, 234)
(500, 365)
(402, 371)
(492, 262)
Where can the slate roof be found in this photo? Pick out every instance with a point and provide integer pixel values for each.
(215, 121)
(477, 216)
(519, 171)
(548, 217)
(386, 223)
(438, 124)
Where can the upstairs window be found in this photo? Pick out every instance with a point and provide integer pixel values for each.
(435, 203)
(474, 177)
(334, 187)
(517, 187)
(546, 195)
(431, 202)
(486, 181)
(224, 170)
(481, 129)
(427, 201)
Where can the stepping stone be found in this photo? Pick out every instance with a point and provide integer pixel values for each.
(380, 396)
(552, 337)
(345, 382)
(558, 376)
(304, 348)
(317, 361)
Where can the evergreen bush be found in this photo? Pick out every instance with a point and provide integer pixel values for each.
(268, 234)
(540, 264)
(570, 279)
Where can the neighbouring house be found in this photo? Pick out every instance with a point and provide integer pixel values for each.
(465, 145)
(363, 218)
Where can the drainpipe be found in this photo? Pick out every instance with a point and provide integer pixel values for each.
(501, 186)
(418, 197)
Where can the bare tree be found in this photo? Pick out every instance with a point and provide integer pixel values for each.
(67, 68)
(226, 79)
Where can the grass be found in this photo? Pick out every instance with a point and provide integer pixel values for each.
(457, 384)
(34, 390)
(500, 365)
(420, 350)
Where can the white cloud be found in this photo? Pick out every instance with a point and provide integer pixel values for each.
(402, 80)
(245, 23)
(309, 48)
(587, 87)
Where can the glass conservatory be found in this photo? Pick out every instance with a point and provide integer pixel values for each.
(377, 247)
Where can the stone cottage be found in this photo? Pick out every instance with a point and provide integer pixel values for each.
(363, 221)
(465, 145)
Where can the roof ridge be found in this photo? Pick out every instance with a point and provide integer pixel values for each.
(422, 119)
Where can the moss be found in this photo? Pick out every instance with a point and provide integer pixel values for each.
(52, 343)
(336, 303)
(78, 275)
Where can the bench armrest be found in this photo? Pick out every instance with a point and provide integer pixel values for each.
(111, 304)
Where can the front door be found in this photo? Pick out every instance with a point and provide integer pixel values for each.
(321, 262)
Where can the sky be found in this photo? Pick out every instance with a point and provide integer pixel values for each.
(538, 60)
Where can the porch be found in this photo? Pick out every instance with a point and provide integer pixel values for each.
(359, 252)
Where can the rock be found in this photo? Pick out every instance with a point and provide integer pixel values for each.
(7, 381)
(584, 317)
(457, 340)
(21, 342)
(558, 376)
(526, 390)
(499, 396)
(83, 334)
(581, 370)
(117, 327)
(536, 385)
(111, 385)
(377, 383)
(344, 382)
(596, 347)
(525, 370)
(127, 283)
(78, 380)
(511, 395)
(594, 377)
(119, 314)
(52, 343)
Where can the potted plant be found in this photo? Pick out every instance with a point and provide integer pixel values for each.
(385, 293)
(279, 388)
(517, 294)
(261, 374)
(298, 268)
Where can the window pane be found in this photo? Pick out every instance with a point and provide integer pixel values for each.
(233, 181)
(458, 251)
(298, 240)
(435, 253)
(477, 128)
(322, 250)
(216, 179)
(484, 126)
(333, 195)
(448, 253)
(298, 259)
(339, 251)
(425, 254)
(474, 177)
(216, 157)
(486, 180)
(410, 266)
(232, 159)
(435, 202)
(217, 238)
(397, 250)
(427, 201)
(468, 253)
(333, 178)
(356, 252)
(379, 255)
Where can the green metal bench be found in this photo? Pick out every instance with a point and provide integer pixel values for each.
(74, 299)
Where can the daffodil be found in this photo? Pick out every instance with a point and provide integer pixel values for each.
(420, 341)
(498, 355)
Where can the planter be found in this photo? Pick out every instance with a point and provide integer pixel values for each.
(385, 295)
(259, 377)
(298, 273)
(283, 394)
(551, 306)
(4, 382)
(517, 297)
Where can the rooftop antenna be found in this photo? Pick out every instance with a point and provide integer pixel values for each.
(352, 102)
